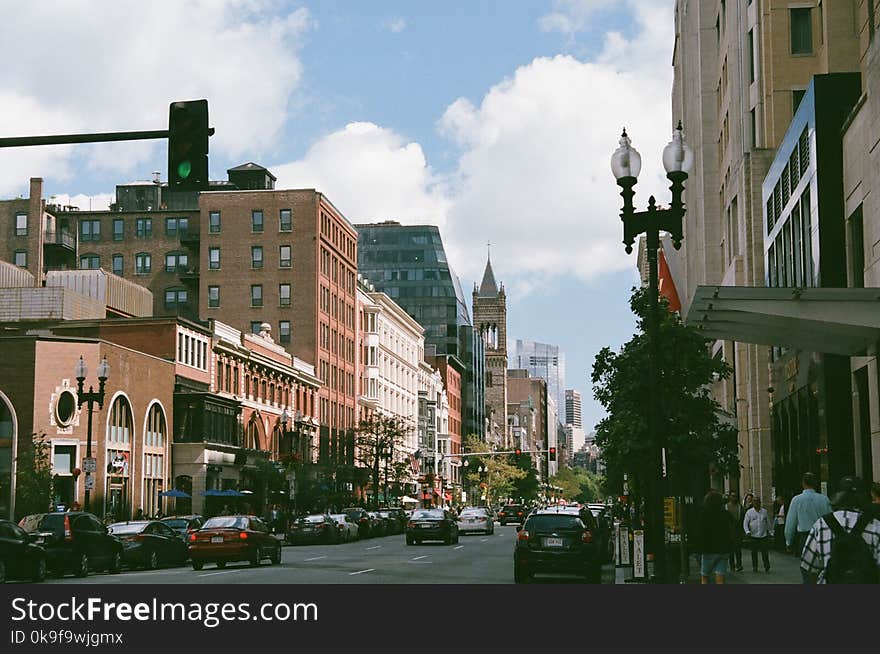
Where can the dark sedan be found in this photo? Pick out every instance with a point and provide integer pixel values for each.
(183, 524)
(512, 513)
(315, 528)
(20, 556)
(359, 516)
(149, 544)
(431, 524)
(557, 541)
(224, 539)
(75, 542)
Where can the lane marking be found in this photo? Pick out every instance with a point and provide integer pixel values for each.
(360, 572)
(224, 572)
(458, 548)
(374, 547)
(315, 558)
(483, 540)
(416, 558)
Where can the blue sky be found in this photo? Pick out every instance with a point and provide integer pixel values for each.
(494, 120)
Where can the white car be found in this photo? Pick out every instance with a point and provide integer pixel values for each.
(475, 518)
(347, 530)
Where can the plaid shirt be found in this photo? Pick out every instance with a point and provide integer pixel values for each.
(817, 549)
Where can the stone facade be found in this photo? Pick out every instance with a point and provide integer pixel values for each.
(490, 321)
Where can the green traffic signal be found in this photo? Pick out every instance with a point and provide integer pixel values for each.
(184, 168)
(188, 133)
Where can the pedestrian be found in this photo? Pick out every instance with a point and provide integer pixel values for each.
(736, 515)
(805, 508)
(758, 527)
(715, 536)
(844, 545)
(874, 508)
(139, 514)
(779, 524)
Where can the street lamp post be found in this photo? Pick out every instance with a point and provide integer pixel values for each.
(626, 163)
(91, 397)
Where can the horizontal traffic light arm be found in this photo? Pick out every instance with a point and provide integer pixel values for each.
(501, 452)
(65, 139)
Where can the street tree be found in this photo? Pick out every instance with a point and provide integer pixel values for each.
(33, 491)
(578, 484)
(380, 440)
(698, 438)
(498, 482)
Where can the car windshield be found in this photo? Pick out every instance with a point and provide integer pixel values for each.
(545, 522)
(513, 508)
(124, 528)
(476, 512)
(178, 523)
(225, 522)
(313, 518)
(428, 515)
(341, 517)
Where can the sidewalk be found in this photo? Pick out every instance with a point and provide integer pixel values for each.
(784, 569)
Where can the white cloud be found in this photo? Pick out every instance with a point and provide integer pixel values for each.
(98, 202)
(116, 66)
(395, 25)
(571, 15)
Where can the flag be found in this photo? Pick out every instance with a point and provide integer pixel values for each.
(667, 284)
(414, 464)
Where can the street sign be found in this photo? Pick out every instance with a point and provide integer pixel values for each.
(89, 482)
(90, 464)
(639, 554)
(624, 545)
(670, 513)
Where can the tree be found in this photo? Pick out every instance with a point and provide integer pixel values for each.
(697, 437)
(380, 441)
(33, 478)
(578, 484)
(498, 482)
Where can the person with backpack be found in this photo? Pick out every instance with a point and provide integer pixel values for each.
(716, 532)
(843, 546)
(804, 510)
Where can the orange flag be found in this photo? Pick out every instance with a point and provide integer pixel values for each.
(667, 285)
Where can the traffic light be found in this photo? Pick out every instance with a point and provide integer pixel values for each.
(517, 451)
(188, 145)
(552, 453)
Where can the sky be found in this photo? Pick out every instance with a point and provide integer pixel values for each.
(493, 119)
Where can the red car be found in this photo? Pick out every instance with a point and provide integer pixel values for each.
(225, 539)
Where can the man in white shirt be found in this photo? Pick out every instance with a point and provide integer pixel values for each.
(758, 528)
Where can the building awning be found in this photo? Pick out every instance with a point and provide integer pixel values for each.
(843, 321)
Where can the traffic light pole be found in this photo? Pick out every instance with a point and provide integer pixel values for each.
(66, 139)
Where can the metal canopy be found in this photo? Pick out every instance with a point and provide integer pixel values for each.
(842, 321)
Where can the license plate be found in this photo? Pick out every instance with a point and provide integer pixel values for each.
(216, 539)
(424, 526)
(552, 542)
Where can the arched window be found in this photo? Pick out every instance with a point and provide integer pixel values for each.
(119, 425)
(252, 436)
(117, 496)
(154, 460)
(7, 442)
(154, 435)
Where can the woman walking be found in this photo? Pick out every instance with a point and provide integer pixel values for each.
(715, 535)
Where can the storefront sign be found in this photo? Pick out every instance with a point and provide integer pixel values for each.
(639, 554)
(624, 546)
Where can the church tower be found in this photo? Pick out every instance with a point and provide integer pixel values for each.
(490, 321)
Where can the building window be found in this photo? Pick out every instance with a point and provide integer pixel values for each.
(21, 226)
(90, 230)
(175, 261)
(21, 258)
(284, 295)
(801, 30)
(256, 256)
(213, 297)
(214, 222)
(796, 96)
(89, 262)
(284, 331)
(752, 58)
(144, 228)
(175, 297)
(856, 249)
(175, 226)
(117, 264)
(257, 220)
(143, 263)
(255, 329)
(118, 229)
(284, 256)
(256, 295)
(214, 258)
(754, 119)
(286, 223)
(119, 425)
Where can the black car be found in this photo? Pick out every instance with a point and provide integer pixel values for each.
(359, 516)
(183, 524)
(431, 524)
(75, 542)
(512, 513)
(315, 528)
(395, 520)
(20, 556)
(148, 544)
(557, 541)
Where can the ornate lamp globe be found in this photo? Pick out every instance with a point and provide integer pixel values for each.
(626, 160)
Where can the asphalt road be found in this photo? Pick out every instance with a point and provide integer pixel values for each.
(476, 559)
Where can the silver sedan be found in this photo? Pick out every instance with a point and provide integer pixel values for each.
(476, 519)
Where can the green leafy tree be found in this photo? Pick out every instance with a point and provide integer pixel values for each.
(380, 441)
(33, 491)
(578, 484)
(526, 487)
(697, 437)
(499, 480)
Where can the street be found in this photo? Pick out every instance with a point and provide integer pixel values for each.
(476, 559)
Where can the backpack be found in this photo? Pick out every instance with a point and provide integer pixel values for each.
(852, 561)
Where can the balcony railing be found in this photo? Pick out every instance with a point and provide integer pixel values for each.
(60, 237)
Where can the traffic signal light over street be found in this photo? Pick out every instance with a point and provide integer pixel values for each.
(188, 145)
(552, 453)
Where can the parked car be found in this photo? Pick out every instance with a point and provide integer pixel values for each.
(512, 513)
(475, 519)
(378, 526)
(557, 540)
(396, 518)
(148, 544)
(20, 556)
(359, 516)
(183, 524)
(348, 530)
(431, 524)
(316, 528)
(76, 542)
(225, 539)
